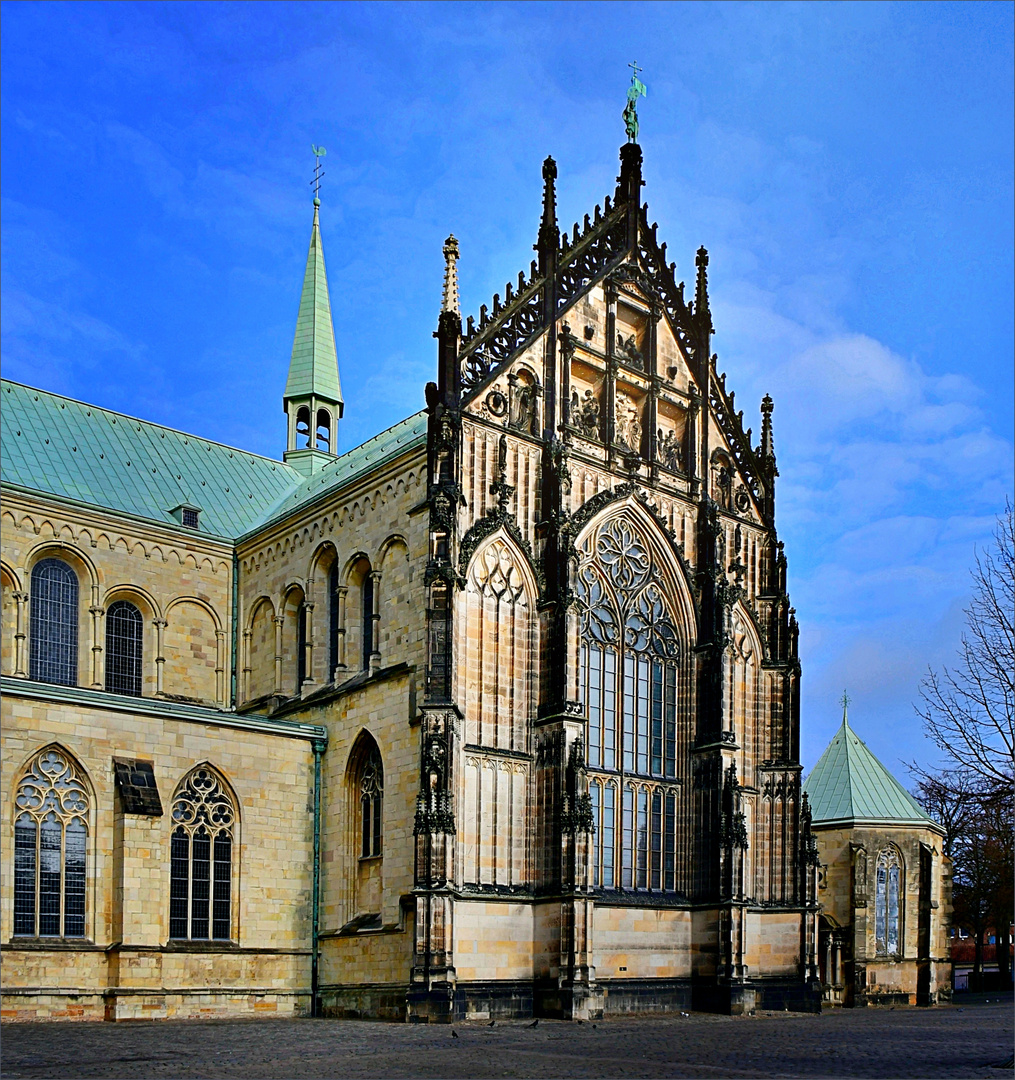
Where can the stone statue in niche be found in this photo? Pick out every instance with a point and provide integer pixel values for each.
(628, 424)
(627, 350)
(523, 403)
(669, 452)
(722, 486)
(585, 414)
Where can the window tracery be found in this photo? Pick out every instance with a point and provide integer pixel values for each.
(371, 804)
(888, 889)
(201, 859)
(50, 841)
(630, 651)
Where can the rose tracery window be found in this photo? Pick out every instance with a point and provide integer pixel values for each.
(629, 660)
(50, 840)
(201, 859)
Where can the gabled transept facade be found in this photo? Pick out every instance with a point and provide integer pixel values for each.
(494, 715)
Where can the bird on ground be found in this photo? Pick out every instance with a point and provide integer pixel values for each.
(492, 1022)
(454, 1034)
(534, 1023)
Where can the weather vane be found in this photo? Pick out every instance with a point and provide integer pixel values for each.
(319, 152)
(634, 91)
(844, 702)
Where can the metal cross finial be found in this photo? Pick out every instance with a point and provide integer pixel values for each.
(318, 152)
(634, 67)
(844, 702)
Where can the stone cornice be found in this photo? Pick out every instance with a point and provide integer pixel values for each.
(158, 709)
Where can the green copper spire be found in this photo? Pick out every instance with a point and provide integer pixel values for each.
(313, 369)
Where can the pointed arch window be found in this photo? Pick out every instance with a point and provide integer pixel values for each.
(200, 891)
(629, 669)
(53, 630)
(50, 845)
(124, 635)
(888, 890)
(371, 804)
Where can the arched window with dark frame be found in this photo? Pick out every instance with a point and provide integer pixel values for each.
(301, 646)
(124, 647)
(200, 886)
(332, 620)
(322, 433)
(371, 804)
(53, 623)
(368, 618)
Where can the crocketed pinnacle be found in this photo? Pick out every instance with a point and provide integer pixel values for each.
(313, 369)
(767, 445)
(449, 301)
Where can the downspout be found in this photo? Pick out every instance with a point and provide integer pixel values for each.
(316, 907)
(233, 643)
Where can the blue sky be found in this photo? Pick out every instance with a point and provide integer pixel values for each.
(849, 167)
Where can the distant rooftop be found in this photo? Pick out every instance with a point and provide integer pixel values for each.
(58, 446)
(850, 786)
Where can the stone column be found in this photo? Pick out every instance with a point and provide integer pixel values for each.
(160, 660)
(96, 612)
(279, 622)
(341, 592)
(308, 645)
(245, 689)
(220, 667)
(375, 619)
(21, 600)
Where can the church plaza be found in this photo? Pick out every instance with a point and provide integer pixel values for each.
(963, 1040)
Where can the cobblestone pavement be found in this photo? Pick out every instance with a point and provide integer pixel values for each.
(956, 1041)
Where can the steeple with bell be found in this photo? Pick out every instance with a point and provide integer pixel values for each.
(313, 393)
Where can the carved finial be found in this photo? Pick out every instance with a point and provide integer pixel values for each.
(548, 235)
(701, 287)
(767, 446)
(450, 299)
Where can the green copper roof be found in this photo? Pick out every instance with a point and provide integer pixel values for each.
(313, 369)
(62, 447)
(58, 446)
(403, 436)
(849, 785)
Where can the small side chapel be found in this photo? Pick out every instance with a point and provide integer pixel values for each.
(496, 715)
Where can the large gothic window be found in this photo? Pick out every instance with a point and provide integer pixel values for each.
(200, 888)
(629, 670)
(888, 890)
(53, 636)
(50, 840)
(124, 631)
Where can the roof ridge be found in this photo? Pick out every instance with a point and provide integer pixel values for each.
(147, 423)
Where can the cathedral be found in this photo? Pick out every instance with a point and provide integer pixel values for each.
(496, 715)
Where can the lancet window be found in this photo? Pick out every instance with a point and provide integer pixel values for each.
(53, 637)
(371, 803)
(888, 890)
(200, 904)
(50, 843)
(630, 674)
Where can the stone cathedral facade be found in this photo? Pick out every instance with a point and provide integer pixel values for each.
(494, 715)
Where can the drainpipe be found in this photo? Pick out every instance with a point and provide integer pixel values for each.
(316, 916)
(235, 630)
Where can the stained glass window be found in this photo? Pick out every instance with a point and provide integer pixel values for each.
(371, 801)
(888, 889)
(200, 885)
(50, 845)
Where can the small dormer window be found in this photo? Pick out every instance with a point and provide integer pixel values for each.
(188, 515)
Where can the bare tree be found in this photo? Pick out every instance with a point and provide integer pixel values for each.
(969, 710)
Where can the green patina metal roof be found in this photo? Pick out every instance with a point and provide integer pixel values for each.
(58, 446)
(66, 448)
(849, 785)
(313, 369)
(403, 436)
